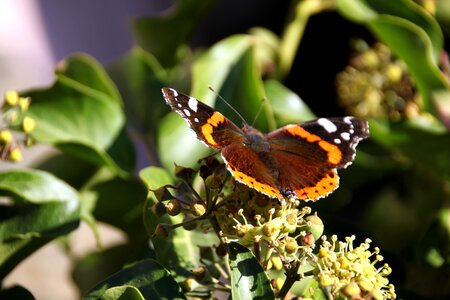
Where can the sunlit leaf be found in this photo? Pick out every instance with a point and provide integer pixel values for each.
(151, 279)
(83, 117)
(248, 279)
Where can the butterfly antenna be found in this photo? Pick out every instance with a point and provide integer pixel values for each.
(259, 111)
(229, 105)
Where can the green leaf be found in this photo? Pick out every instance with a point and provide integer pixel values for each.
(288, 107)
(164, 35)
(124, 292)
(151, 279)
(248, 279)
(83, 117)
(140, 77)
(309, 288)
(44, 208)
(415, 37)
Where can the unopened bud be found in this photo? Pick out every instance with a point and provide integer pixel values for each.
(28, 124)
(12, 97)
(173, 207)
(199, 208)
(159, 209)
(163, 230)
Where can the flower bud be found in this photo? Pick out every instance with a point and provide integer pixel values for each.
(198, 208)
(163, 230)
(24, 103)
(291, 246)
(316, 226)
(162, 193)
(213, 181)
(28, 124)
(159, 209)
(351, 290)
(184, 173)
(173, 207)
(11, 97)
(187, 224)
(308, 240)
(5, 136)
(15, 155)
(199, 273)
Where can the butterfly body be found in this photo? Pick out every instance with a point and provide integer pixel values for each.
(298, 160)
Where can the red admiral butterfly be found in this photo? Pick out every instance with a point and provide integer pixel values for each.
(293, 161)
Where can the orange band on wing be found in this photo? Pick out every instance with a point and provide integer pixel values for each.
(264, 188)
(207, 129)
(322, 188)
(333, 152)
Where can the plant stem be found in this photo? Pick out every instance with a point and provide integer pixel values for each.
(293, 32)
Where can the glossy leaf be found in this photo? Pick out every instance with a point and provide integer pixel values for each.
(288, 107)
(164, 35)
(83, 117)
(151, 279)
(123, 292)
(140, 77)
(308, 287)
(44, 208)
(248, 279)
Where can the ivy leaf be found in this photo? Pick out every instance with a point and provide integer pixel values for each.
(151, 280)
(139, 77)
(163, 36)
(248, 279)
(288, 107)
(82, 115)
(44, 207)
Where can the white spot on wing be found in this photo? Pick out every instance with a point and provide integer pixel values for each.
(345, 136)
(348, 120)
(337, 141)
(193, 104)
(179, 105)
(175, 93)
(187, 112)
(196, 120)
(327, 125)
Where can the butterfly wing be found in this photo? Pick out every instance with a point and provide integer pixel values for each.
(251, 169)
(308, 155)
(210, 126)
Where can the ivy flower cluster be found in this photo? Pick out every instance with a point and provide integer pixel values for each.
(14, 127)
(351, 272)
(283, 235)
(375, 84)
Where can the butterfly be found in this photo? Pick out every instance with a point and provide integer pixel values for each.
(297, 160)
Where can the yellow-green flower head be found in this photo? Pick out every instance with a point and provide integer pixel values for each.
(28, 124)
(351, 272)
(12, 98)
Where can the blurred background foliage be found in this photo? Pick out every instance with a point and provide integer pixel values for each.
(380, 60)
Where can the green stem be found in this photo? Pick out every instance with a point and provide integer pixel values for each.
(293, 32)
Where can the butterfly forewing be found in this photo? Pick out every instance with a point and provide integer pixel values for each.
(210, 126)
